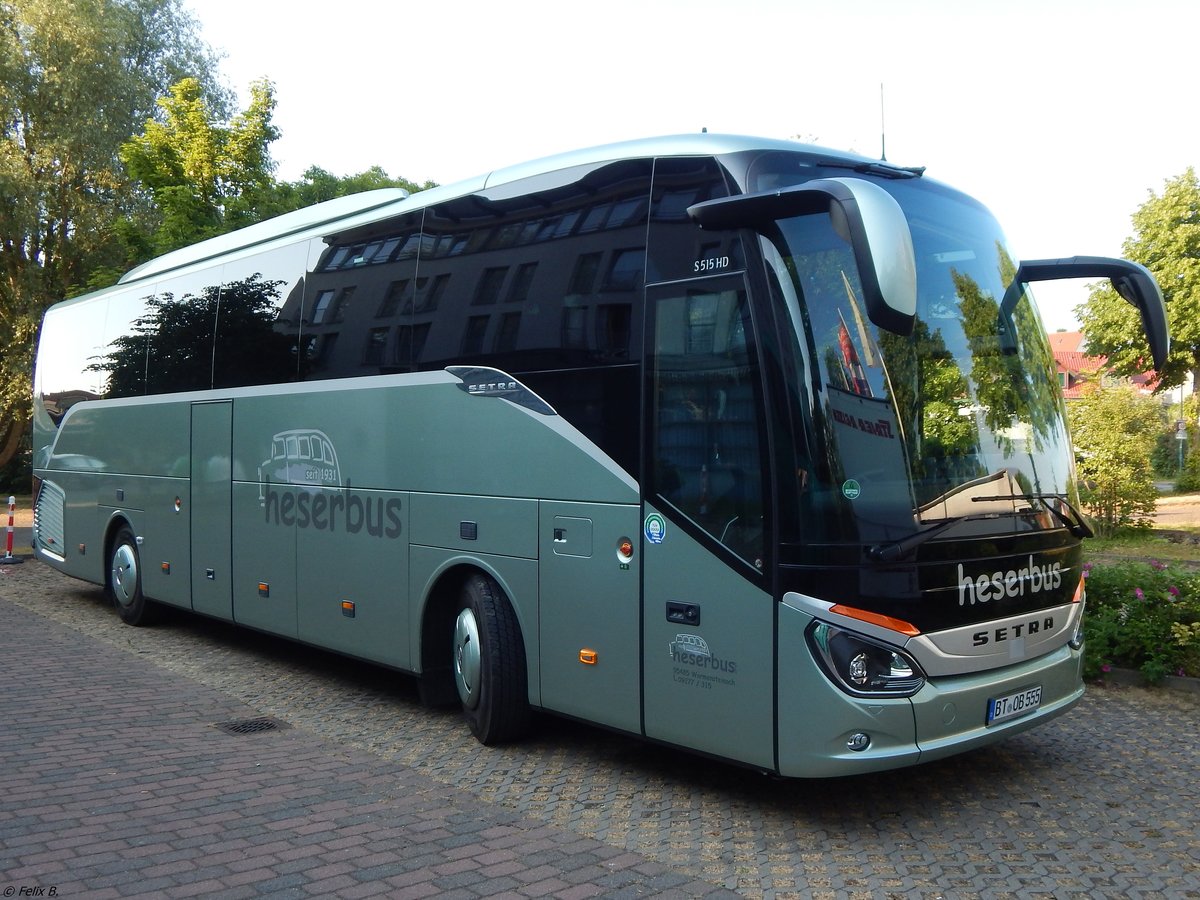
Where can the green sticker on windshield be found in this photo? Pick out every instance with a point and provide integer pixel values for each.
(851, 489)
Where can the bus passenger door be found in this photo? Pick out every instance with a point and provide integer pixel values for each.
(589, 613)
(211, 472)
(708, 617)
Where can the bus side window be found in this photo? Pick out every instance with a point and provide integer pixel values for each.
(543, 279)
(705, 441)
(358, 309)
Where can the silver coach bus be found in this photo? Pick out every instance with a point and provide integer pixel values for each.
(743, 446)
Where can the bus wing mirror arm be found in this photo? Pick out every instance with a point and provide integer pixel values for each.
(1132, 281)
(863, 214)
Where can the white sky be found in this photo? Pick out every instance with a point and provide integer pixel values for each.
(1060, 115)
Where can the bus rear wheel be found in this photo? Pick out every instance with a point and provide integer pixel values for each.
(489, 663)
(125, 581)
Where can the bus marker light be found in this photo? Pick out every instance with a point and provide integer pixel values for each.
(887, 622)
(587, 657)
(625, 550)
(178, 504)
(264, 589)
(166, 568)
(348, 609)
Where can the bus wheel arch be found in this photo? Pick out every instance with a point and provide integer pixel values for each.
(123, 575)
(473, 654)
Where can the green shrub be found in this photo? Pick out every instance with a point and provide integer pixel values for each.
(1143, 616)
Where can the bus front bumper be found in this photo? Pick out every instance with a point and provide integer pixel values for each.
(823, 730)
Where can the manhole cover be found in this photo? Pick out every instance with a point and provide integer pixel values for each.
(251, 726)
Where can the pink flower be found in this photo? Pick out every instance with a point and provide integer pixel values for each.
(1173, 591)
(1137, 592)
(1106, 668)
(1157, 566)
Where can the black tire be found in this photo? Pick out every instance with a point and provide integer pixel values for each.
(125, 581)
(488, 658)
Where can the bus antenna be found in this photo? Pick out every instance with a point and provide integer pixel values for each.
(882, 127)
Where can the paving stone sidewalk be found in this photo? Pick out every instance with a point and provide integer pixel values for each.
(116, 782)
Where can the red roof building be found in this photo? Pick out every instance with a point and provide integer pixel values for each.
(1076, 368)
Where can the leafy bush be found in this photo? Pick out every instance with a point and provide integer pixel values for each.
(1143, 616)
(1114, 430)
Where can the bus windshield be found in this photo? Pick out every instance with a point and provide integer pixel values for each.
(959, 423)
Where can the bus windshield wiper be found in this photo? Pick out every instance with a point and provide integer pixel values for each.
(1078, 526)
(897, 550)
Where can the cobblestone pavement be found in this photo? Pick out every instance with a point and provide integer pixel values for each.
(107, 741)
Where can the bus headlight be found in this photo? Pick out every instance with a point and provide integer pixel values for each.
(863, 666)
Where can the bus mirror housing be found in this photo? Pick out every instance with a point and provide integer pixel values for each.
(1132, 281)
(863, 213)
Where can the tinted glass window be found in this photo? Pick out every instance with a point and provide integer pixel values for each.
(543, 279)
(257, 329)
(161, 342)
(678, 247)
(360, 293)
(705, 417)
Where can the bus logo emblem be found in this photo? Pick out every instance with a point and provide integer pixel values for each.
(301, 456)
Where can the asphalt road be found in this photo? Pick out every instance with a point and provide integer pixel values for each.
(1104, 802)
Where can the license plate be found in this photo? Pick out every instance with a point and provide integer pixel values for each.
(1001, 709)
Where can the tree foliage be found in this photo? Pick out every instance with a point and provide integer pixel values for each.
(77, 77)
(172, 344)
(204, 176)
(317, 185)
(1166, 240)
(116, 143)
(1114, 430)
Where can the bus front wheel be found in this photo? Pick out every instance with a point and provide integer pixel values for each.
(489, 663)
(125, 581)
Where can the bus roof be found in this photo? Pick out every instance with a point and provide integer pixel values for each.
(371, 206)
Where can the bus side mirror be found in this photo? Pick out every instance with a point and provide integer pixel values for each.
(1132, 281)
(863, 214)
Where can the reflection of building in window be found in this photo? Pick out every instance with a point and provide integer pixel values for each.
(429, 295)
(343, 303)
(701, 322)
(410, 343)
(321, 306)
(625, 270)
(613, 321)
(473, 335)
(320, 349)
(574, 327)
(584, 275)
(391, 299)
(376, 345)
(488, 290)
(518, 291)
(506, 336)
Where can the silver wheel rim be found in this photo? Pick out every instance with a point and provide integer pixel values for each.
(124, 575)
(467, 662)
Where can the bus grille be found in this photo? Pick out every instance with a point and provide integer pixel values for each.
(48, 518)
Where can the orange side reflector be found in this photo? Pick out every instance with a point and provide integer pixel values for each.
(1078, 592)
(587, 657)
(348, 608)
(876, 619)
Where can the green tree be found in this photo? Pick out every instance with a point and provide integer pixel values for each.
(1166, 240)
(77, 78)
(1114, 430)
(205, 177)
(317, 185)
